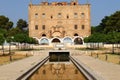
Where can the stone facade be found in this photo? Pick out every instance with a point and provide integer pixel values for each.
(59, 19)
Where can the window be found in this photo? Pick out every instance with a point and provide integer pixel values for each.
(59, 15)
(75, 34)
(67, 17)
(83, 27)
(43, 27)
(82, 15)
(51, 17)
(43, 34)
(75, 27)
(36, 27)
(36, 15)
(75, 15)
(43, 15)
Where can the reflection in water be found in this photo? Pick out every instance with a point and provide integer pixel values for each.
(57, 71)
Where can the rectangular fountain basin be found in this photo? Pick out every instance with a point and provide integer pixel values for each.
(59, 56)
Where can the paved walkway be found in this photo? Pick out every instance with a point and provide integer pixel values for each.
(108, 71)
(15, 69)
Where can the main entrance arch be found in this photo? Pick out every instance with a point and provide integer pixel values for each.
(56, 40)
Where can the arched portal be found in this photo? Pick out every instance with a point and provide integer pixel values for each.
(55, 40)
(67, 40)
(78, 40)
(44, 41)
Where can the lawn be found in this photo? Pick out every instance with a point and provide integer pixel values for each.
(6, 58)
(108, 57)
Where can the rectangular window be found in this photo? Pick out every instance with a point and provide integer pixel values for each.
(75, 27)
(43, 27)
(75, 15)
(36, 15)
(82, 15)
(51, 17)
(83, 27)
(36, 27)
(59, 15)
(67, 16)
(43, 15)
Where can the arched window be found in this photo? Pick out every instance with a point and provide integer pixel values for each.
(76, 34)
(43, 35)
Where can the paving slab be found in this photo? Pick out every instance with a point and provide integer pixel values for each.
(108, 71)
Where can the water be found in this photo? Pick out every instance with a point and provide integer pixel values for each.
(58, 71)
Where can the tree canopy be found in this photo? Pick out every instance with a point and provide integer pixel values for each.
(5, 23)
(109, 23)
(22, 24)
(107, 31)
(1, 39)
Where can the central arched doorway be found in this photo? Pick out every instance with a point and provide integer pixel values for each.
(55, 40)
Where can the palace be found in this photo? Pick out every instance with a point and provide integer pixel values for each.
(59, 22)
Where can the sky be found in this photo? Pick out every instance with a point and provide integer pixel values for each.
(18, 9)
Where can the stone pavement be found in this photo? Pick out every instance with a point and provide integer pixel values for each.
(15, 69)
(106, 70)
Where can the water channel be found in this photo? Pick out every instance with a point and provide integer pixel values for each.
(58, 71)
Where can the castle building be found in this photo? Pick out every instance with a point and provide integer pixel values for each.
(59, 22)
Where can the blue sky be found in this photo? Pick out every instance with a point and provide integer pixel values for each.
(16, 9)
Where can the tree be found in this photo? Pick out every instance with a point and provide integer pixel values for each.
(9, 25)
(5, 23)
(109, 23)
(22, 24)
(13, 32)
(2, 39)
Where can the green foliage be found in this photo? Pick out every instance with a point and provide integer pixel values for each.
(97, 37)
(17, 34)
(14, 31)
(1, 39)
(109, 24)
(112, 37)
(3, 32)
(22, 24)
(23, 38)
(107, 31)
(5, 23)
